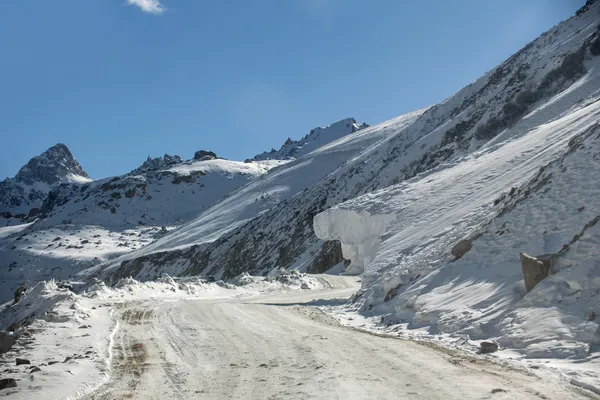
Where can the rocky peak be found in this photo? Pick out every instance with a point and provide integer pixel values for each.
(53, 166)
(203, 155)
(315, 138)
(154, 164)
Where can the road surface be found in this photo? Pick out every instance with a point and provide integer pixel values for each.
(278, 347)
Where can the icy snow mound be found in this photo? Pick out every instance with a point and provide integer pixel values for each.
(359, 233)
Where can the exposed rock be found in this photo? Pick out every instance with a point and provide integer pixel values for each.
(21, 361)
(461, 248)
(154, 164)
(7, 383)
(392, 293)
(18, 294)
(488, 347)
(202, 155)
(592, 316)
(34, 369)
(534, 270)
(580, 209)
(330, 255)
(6, 342)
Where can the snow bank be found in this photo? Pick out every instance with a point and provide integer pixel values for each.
(359, 233)
(64, 335)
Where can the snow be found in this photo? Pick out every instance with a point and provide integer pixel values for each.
(73, 178)
(6, 231)
(255, 168)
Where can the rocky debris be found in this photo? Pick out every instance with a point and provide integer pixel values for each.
(6, 342)
(488, 347)
(21, 361)
(461, 248)
(7, 383)
(203, 155)
(534, 270)
(34, 369)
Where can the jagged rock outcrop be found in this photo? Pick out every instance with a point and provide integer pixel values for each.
(203, 155)
(154, 164)
(317, 137)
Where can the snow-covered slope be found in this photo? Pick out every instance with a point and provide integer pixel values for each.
(83, 225)
(531, 189)
(549, 78)
(22, 195)
(165, 196)
(317, 137)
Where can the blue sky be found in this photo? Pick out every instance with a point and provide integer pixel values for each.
(118, 80)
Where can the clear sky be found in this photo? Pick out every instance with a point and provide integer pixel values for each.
(117, 81)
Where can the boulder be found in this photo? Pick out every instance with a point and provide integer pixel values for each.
(6, 342)
(7, 383)
(21, 361)
(461, 248)
(34, 369)
(488, 347)
(534, 270)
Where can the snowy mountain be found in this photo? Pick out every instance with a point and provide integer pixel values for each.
(316, 138)
(445, 211)
(22, 195)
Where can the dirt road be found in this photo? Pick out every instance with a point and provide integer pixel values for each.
(279, 347)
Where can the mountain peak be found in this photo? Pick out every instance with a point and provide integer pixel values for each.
(55, 165)
(316, 138)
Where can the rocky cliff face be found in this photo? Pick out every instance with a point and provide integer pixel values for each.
(55, 165)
